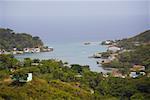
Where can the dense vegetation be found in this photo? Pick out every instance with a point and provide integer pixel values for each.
(56, 80)
(9, 40)
(137, 52)
(53, 80)
(132, 42)
(139, 56)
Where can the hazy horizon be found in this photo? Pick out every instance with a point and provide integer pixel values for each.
(65, 21)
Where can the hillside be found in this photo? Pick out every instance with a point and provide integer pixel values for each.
(9, 40)
(130, 43)
(143, 37)
(53, 80)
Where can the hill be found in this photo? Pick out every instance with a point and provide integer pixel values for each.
(143, 37)
(9, 40)
(130, 43)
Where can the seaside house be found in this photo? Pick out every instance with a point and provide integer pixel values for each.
(105, 75)
(113, 48)
(35, 64)
(133, 74)
(137, 70)
(78, 76)
(107, 42)
(2, 51)
(26, 50)
(37, 49)
(117, 73)
(47, 49)
(31, 50)
(14, 49)
(97, 55)
(104, 61)
(111, 58)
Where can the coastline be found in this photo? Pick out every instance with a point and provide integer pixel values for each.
(73, 53)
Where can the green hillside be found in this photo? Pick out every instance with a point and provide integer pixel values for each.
(52, 80)
(130, 43)
(142, 37)
(9, 40)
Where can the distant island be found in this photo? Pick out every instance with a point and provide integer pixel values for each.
(18, 43)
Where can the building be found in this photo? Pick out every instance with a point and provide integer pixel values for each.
(113, 48)
(117, 73)
(22, 78)
(133, 74)
(29, 77)
(2, 51)
(37, 49)
(103, 61)
(97, 55)
(136, 74)
(26, 50)
(137, 68)
(31, 50)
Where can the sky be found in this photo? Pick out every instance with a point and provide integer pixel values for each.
(76, 20)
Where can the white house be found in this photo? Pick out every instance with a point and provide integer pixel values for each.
(133, 74)
(107, 42)
(22, 78)
(26, 50)
(113, 48)
(37, 50)
(29, 78)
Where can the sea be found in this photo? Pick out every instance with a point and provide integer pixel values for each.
(73, 53)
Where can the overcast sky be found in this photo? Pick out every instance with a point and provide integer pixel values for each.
(65, 20)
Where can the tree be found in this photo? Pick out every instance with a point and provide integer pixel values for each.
(27, 62)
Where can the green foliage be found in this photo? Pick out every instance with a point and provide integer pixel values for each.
(9, 40)
(143, 37)
(7, 62)
(79, 69)
(54, 81)
(132, 43)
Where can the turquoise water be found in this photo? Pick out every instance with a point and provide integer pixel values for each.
(73, 53)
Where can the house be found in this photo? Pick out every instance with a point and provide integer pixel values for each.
(104, 61)
(46, 49)
(22, 78)
(137, 43)
(136, 74)
(117, 73)
(78, 76)
(14, 49)
(31, 50)
(97, 55)
(133, 74)
(37, 49)
(35, 64)
(2, 51)
(108, 42)
(113, 48)
(29, 78)
(26, 50)
(137, 68)
(105, 75)
(111, 58)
